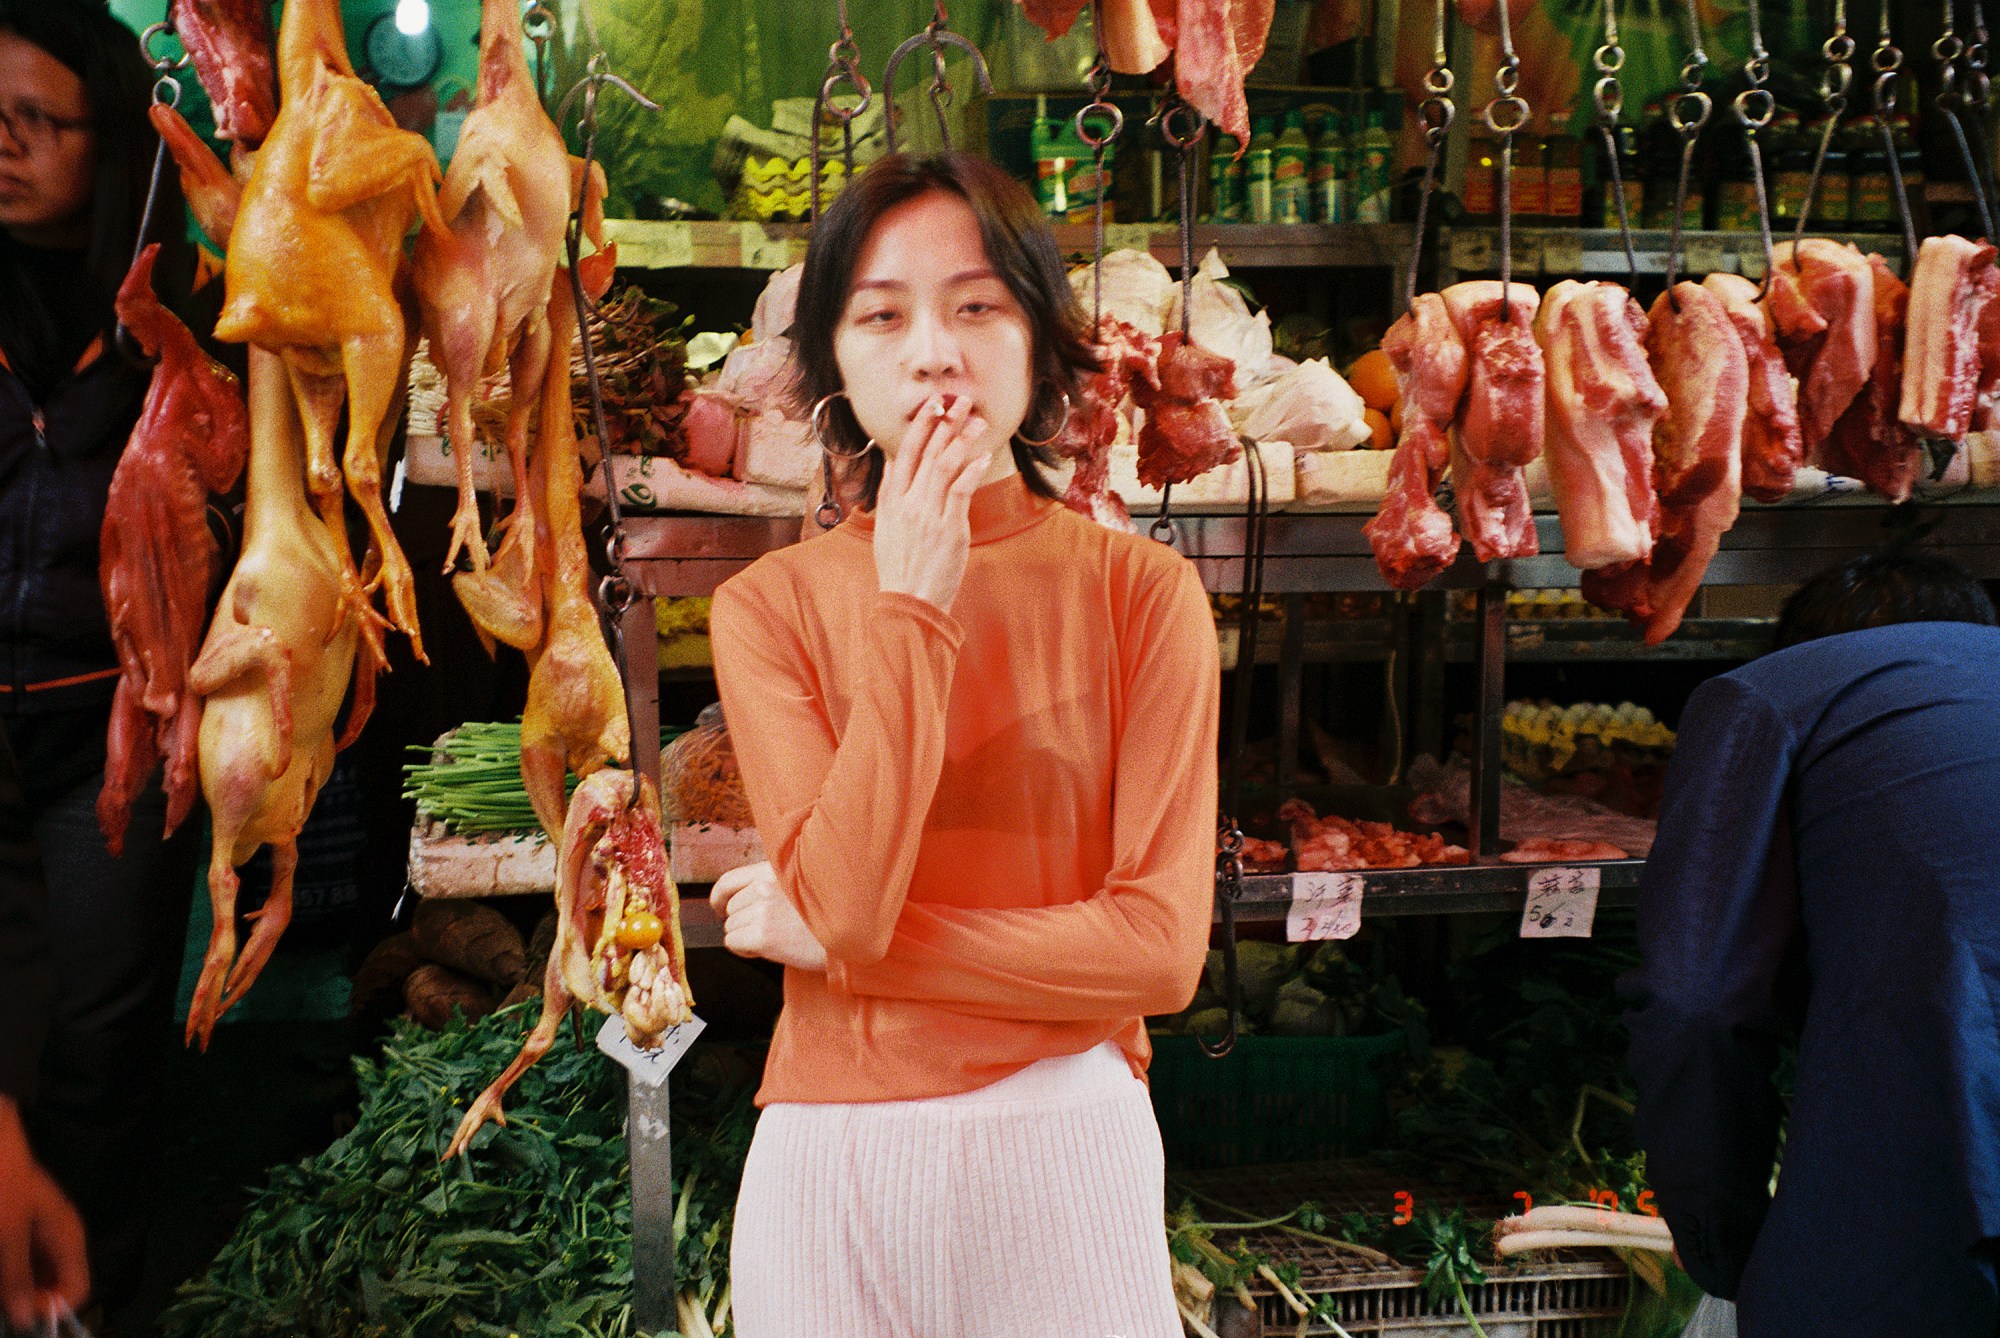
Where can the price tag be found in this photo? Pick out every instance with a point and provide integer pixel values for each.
(1704, 255)
(1527, 255)
(760, 250)
(1562, 253)
(673, 245)
(1562, 903)
(1324, 906)
(650, 1067)
(1127, 236)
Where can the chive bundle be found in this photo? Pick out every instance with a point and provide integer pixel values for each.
(477, 786)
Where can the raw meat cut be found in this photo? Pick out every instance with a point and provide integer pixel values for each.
(1603, 402)
(1264, 856)
(1503, 413)
(1547, 850)
(1773, 446)
(230, 44)
(1495, 513)
(1870, 442)
(1986, 406)
(1526, 814)
(1697, 459)
(1410, 534)
(1123, 354)
(1822, 306)
(157, 558)
(1214, 44)
(1335, 844)
(1186, 432)
(611, 882)
(313, 265)
(1949, 290)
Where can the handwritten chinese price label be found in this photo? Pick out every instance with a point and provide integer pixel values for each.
(760, 250)
(1562, 903)
(647, 1066)
(1324, 906)
(1704, 255)
(1128, 236)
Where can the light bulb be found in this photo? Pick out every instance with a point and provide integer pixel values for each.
(412, 16)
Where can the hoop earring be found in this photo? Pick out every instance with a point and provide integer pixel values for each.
(1061, 425)
(819, 432)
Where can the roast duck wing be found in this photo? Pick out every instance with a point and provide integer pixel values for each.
(1603, 403)
(483, 286)
(618, 932)
(1698, 358)
(157, 559)
(1124, 353)
(1822, 305)
(1412, 537)
(1500, 425)
(230, 44)
(575, 718)
(1187, 431)
(1773, 443)
(271, 675)
(313, 267)
(1951, 287)
(1870, 442)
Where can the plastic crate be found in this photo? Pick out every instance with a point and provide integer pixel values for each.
(1271, 1099)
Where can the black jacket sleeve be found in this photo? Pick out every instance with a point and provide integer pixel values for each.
(26, 970)
(1719, 929)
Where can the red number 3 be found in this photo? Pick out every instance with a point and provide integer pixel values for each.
(1406, 1208)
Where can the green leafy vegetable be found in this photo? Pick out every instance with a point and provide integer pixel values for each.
(477, 787)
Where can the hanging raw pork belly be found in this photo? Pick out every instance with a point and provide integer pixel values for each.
(1950, 288)
(1870, 442)
(1822, 305)
(1500, 424)
(1411, 535)
(1773, 445)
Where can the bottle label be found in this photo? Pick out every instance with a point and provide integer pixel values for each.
(1531, 191)
(1481, 187)
(1565, 192)
(1259, 210)
(1833, 197)
(1788, 193)
(1736, 206)
(1635, 204)
(1872, 200)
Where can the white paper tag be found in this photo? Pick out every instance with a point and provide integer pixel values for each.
(675, 240)
(1127, 236)
(1472, 252)
(648, 1066)
(1324, 906)
(1704, 255)
(760, 250)
(1562, 903)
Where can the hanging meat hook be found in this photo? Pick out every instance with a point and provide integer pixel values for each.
(166, 93)
(843, 66)
(1688, 126)
(937, 37)
(1506, 79)
(1437, 112)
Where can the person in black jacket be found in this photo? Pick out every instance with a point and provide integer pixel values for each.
(90, 946)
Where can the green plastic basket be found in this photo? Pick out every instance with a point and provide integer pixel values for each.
(1271, 1099)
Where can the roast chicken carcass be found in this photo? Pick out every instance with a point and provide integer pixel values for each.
(272, 674)
(312, 269)
(484, 285)
(156, 556)
(1603, 402)
(618, 932)
(1951, 286)
(1187, 431)
(575, 717)
(230, 44)
(1411, 536)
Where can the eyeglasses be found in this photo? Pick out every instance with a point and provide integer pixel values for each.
(35, 129)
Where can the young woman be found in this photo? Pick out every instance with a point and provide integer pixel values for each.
(89, 945)
(978, 733)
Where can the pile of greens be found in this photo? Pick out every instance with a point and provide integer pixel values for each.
(1296, 989)
(531, 1233)
(477, 787)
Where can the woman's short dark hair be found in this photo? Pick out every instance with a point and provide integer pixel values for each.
(104, 54)
(1880, 589)
(1018, 244)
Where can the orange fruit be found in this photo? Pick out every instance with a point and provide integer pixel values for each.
(1378, 425)
(1373, 377)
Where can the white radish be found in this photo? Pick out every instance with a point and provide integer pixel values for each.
(1520, 1242)
(1565, 1217)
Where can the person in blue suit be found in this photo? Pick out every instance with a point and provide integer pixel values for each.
(1828, 864)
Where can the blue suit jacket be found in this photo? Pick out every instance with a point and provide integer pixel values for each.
(1829, 856)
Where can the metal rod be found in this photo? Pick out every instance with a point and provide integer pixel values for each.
(1490, 660)
(650, 1152)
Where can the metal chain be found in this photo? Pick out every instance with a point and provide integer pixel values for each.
(1609, 95)
(1506, 79)
(1833, 89)
(1437, 111)
(1184, 141)
(166, 93)
(1887, 61)
(1100, 106)
(1754, 107)
(1949, 49)
(1689, 128)
(937, 36)
(843, 65)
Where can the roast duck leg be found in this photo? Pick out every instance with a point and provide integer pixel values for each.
(575, 717)
(157, 558)
(1411, 535)
(271, 674)
(312, 268)
(618, 932)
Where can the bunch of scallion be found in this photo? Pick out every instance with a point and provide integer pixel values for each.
(477, 786)
(529, 1233)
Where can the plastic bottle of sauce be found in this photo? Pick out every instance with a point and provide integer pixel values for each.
(1377, 170)
(1225, 182)
(1257, 166)
(1327, 181)
(1291, 160)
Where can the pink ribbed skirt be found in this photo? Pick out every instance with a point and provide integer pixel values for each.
(1029, 1207)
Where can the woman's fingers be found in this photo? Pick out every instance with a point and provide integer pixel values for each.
(730, 884)
(925, 483)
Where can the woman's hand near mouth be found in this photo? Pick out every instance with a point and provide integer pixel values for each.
(923, 525)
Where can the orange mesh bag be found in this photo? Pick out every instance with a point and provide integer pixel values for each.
(699, 781)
